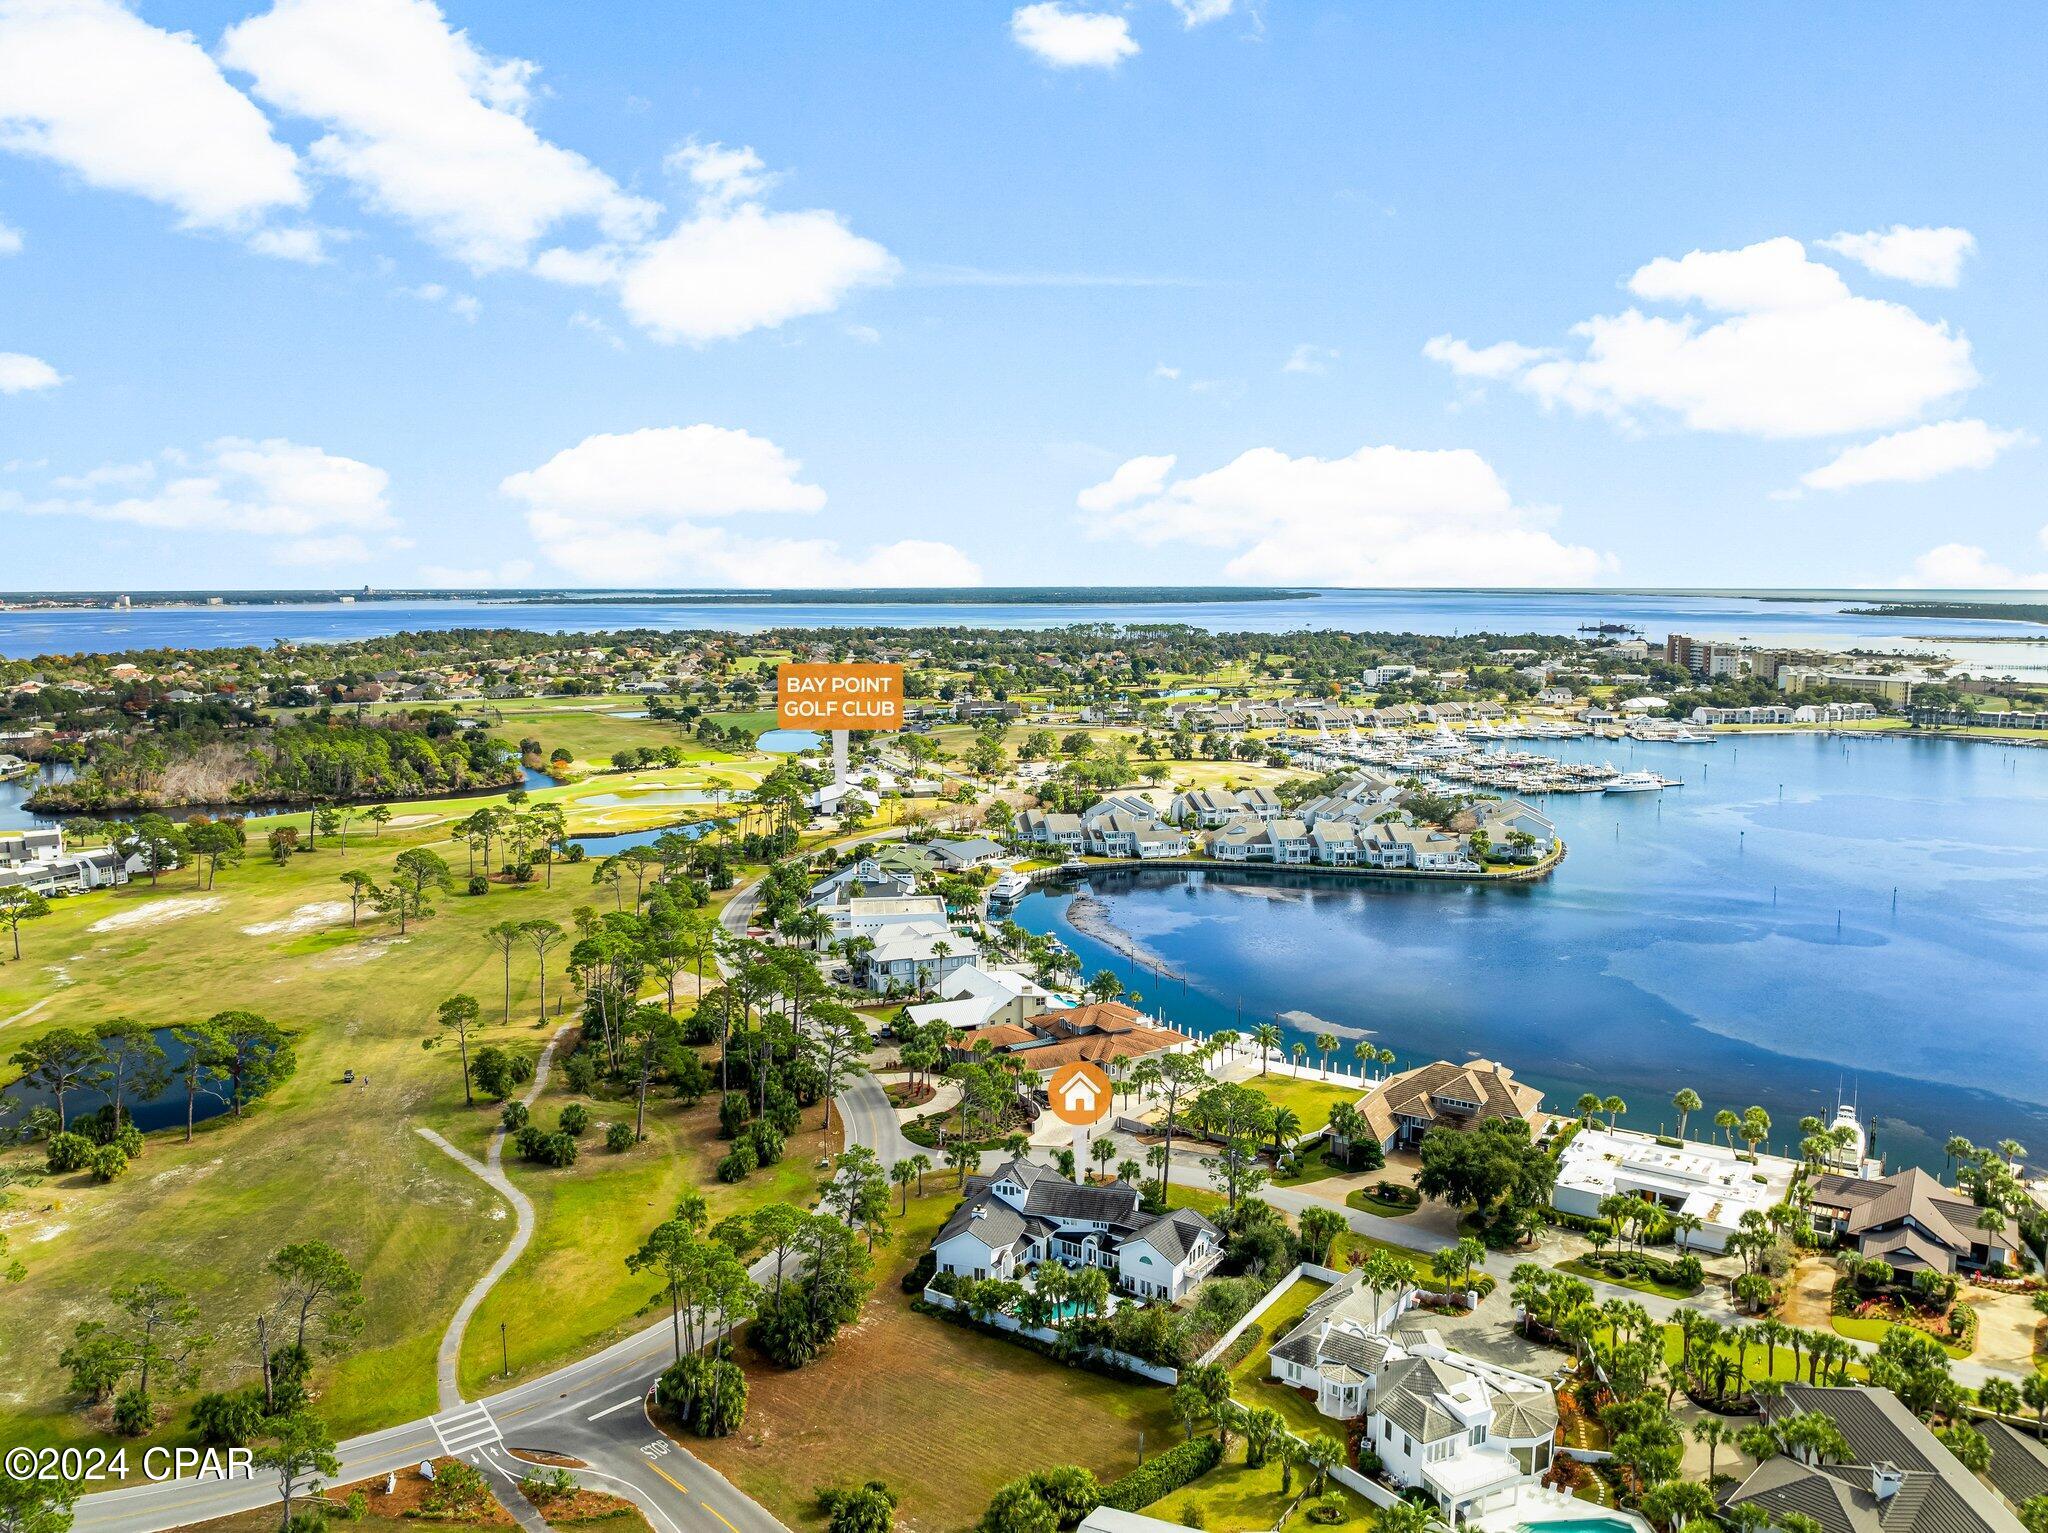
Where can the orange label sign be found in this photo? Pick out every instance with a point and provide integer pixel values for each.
(1079, 1093)
(839, 696)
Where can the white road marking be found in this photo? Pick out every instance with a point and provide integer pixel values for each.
(599, 1415)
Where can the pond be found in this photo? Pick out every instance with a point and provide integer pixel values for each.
(654, 797)
(788, 742)
(166, 1109)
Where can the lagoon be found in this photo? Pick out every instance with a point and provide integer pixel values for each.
(1810, 918)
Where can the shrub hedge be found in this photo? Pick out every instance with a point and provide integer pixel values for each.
(1164, 1475)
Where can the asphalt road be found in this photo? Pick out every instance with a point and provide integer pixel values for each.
(593, 1410)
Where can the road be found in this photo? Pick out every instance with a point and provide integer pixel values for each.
(593, 1410)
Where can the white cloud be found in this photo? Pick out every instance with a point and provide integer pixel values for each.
(308, 246)
(1773, 274)
(1966, 567)
(1169, 374)
(583, 320)
(1799, 355)
(728, 270)
(1070, 39)
(426, 126)
(1137, 479)
(1309, 358)
(1915, 455)
(10, 240)
(1382, 516)
(1924, 257)
(722, 174)
(23, 374)
(1500, 360)
(463, 305)
(664, 473)
(644, 506)
(1199, 13)
(90, 86)
(316, 503)
(731, 265)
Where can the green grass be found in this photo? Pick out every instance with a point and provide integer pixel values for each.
(1233, 1498)
(1578, 1267)
(590, 1217)
(943, 1413)
(1872, 1329)
(1251, 1380)
(1366, 1203)
(1311, 1100)
(1316, 1168)
(318, 1160)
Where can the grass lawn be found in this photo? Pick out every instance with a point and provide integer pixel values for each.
(1872, 1329)
(317, 1160)
(1233, 1498)
(589, 1217)
(1351, 1241)
(589, 728)
(1251, 1379)
(1366, 1203)
(1315, 1169)
(944, 1414)
(1577, 1267)
(1311, 1100)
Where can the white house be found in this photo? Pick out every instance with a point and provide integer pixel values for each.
(37, 861)
(914, 954)
(1390, 844)
(1028, 1213)
(1715, 1184)
(1206, 807)
(1064, 831)
(1466, 1432)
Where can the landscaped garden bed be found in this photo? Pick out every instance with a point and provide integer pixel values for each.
(1390, 1200)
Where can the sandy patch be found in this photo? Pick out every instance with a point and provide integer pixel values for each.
(408, 821)
(49, 1232)
(362, 952)
(156, 914)
(306, 917)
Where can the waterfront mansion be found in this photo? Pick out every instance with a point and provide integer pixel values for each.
(1465, 1432)
(1028, 1213)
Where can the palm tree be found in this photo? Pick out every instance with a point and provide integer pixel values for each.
(1325, 1042)
(1684, 1225)
(1726, 1121)
(1286, 1128)
(1267, 1036)
(1614, 1107)
(1589, 1107)
(1686, 1103)
(1366, 1055)
(1958, 1149)
(1300, 1052)
(1713, 1431)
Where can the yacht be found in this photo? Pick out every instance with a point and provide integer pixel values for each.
(1633, 782)
(1010, 886)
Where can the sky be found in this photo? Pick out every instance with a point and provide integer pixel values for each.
(325, 293)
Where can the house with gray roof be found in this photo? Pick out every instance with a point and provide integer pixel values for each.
(1909, 1220)
(1027, 1213)
(1899, 1478)
(1467, 1433)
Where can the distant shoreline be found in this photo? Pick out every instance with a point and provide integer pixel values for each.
(935, 596)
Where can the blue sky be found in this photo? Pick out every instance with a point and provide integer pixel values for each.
(342, 291)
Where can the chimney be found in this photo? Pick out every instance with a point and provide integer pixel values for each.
(1885, 1480)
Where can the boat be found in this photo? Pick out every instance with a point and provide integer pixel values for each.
(1633, 782)
(1010, 885)
(1074, 865)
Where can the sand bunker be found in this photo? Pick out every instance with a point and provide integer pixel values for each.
(305, 918)
(157, 914)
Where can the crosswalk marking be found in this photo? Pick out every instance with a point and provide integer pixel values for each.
(465, 1430)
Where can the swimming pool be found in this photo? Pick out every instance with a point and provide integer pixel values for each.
(1596, 1524)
